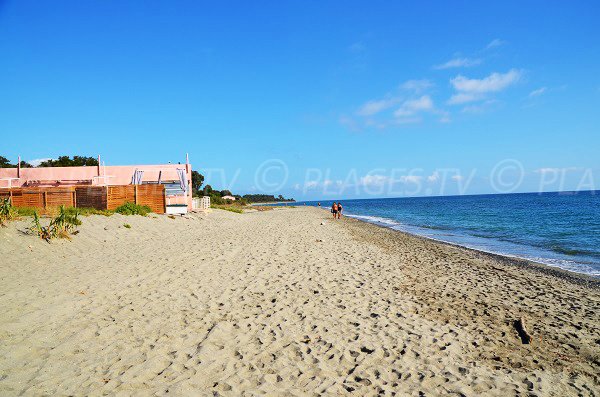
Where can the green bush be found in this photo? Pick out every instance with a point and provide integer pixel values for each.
(127, 226)
(230, 208)
(26, 211)
(63, 225)
(85, 211)
(133, 209)
(216, 199)
(7, 211)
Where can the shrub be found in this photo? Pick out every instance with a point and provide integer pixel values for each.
(230, 208)
(85, 211)
(7, 212)
(63, 225)
(127, 226)
(216, 199)
(133, 209)
(25, 211)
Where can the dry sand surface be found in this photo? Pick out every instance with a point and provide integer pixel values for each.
(278, 303)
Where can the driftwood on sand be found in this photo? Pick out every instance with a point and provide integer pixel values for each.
(522, 330)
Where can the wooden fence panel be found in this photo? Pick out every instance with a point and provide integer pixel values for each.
(119, 195)
(58, 197)
(99, 197)
(27, 198)
(91, 197)
(153, 196)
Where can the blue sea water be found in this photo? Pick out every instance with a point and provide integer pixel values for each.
(557, 229)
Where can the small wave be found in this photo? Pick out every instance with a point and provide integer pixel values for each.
(574, 252)
(566, 251)
(376, 219)
(433, 227)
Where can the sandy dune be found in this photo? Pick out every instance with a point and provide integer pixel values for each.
(276, 303)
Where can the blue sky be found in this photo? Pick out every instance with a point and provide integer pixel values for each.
(312, 99)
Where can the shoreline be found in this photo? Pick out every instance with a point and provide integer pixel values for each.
(523, 263)
(581, 278)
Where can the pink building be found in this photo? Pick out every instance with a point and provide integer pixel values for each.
(177, 178)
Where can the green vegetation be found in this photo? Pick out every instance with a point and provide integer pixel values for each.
(230, 208)
(25, 211)
(5, 163)
(133, 209)
(7, 212)
(62, 161)
(84, 211)
(62, 226)
(127, 225)
(197, 181)
(81, 211)
(66, 161)
(266, 198)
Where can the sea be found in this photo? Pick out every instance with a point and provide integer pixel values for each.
(559, 229)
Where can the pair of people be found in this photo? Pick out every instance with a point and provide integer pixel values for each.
(336, 210)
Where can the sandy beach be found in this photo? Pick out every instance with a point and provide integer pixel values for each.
(284, 302)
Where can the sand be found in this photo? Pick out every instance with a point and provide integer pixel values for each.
(278, 303)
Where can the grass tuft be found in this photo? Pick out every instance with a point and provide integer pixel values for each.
(229, 208)
(61, 226)
(133, 209)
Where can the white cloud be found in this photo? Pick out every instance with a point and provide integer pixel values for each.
(373, 107)
(406, 120)
(434, 177)
(412, 106)
(37, 162)
(457, 177)
(479, 108)
(411, 178)
(549, 170)
(462, 97)
(495, 43)
(418, 86)
(537, 92)
(329, 182)
(493, 83)
(373, 180)
(407, 110)
(459, 63)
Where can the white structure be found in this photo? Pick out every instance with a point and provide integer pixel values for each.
(228, 198)
(201, 204)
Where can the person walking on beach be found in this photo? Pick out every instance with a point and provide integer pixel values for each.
(339, 210)
(334, 209)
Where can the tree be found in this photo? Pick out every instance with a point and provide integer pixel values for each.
(66, 161)
(5, 163)
(197, 181)
(226, 193)
(207, 190)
